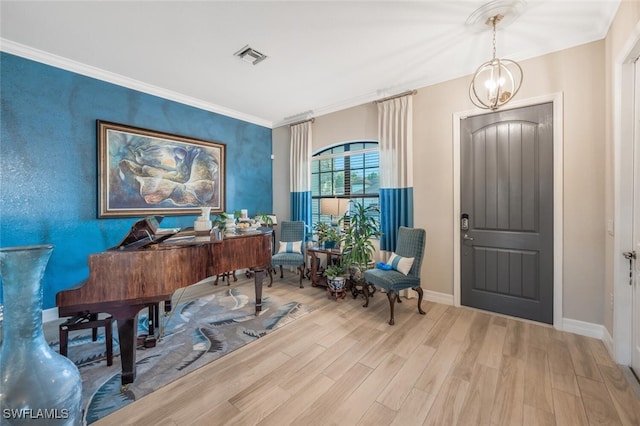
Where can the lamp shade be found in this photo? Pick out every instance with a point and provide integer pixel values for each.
(333, 206)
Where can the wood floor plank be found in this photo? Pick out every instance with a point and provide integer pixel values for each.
(537, 384)
(448, 403)
(323, 406)
(442, 327)
(491, 350)
(394, 394)
(415, 408)
(536, 417)
(300, 401)
(351, 408)
(476, 409)
(508, 406)
(569, 409)
(563, 376)
(261, 406)
(516, 339)
(460, 327)
(583, 362)
(438, 367)
(627, 406)
(471, 347)
(597, 402)
(246, 397)
(377, 415)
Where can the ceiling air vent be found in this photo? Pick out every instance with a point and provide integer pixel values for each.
(250, 55)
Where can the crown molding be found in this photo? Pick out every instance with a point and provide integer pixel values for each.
(46, 58)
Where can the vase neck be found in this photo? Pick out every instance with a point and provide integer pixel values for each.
(21, 270)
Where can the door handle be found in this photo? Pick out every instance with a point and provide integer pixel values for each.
(467, 237)
(630, 256)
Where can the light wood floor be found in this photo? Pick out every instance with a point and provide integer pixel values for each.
(344, 365)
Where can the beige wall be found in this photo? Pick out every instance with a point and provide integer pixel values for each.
(579, 74)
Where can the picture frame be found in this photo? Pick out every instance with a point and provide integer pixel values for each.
(144, 172)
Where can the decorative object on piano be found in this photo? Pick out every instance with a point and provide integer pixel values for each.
(203, 224)
(36, 381)
(145, 172)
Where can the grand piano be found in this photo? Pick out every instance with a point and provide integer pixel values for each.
(146, 268)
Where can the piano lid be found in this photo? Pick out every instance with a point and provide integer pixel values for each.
(141, 234)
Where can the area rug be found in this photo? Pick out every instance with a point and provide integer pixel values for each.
(196, 333)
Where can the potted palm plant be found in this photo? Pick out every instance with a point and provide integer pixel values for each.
(360, 225)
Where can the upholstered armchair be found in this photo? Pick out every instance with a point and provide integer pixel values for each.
(402, 271)
(291, 248)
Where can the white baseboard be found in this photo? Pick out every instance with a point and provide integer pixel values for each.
(583, 328)
(50, 314)
(608, 342)
(436, 297)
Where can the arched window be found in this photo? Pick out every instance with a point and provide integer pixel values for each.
(347, 171)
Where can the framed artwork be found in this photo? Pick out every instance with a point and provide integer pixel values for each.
(144, 172)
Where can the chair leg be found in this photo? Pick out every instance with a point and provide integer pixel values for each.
(94, 331)
(108, 336)
(420, 295)
(270, 270)
(301, 269)
(64, 340)
(392, 296)
(281, 273)
(365, 293)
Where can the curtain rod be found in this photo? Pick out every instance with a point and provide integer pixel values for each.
(408, 92)
(303, 121)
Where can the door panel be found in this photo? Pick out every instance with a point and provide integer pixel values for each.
(507, 191)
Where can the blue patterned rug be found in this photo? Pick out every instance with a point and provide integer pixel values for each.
(198, 332)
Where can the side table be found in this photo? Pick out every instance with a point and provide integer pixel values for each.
(317, 277)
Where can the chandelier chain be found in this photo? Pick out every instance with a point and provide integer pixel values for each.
(493, 23)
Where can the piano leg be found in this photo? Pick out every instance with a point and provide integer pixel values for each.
(127, 318)
(257, 280)
(128, 342)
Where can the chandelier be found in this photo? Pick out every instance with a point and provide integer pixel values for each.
(496, 81)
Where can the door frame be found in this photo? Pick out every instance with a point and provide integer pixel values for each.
(557, 100)
(623, 127)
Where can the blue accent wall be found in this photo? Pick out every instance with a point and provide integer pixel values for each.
(48, 163)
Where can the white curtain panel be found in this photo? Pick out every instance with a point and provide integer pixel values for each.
(300, 171)
(395, 135)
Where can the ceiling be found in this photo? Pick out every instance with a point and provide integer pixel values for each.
(322, 56)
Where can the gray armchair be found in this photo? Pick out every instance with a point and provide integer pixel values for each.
(291, 254)
(411, 243)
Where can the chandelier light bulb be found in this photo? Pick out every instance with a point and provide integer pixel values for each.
(501, 78)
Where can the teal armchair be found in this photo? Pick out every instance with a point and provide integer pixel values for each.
(400, 274)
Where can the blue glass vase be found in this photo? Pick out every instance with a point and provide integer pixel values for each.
(37, 385)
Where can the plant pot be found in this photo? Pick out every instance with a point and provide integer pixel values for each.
(328, 245)
(336, 283)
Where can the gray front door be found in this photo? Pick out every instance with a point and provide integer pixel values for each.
(507, 198)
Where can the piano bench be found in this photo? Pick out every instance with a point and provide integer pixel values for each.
(83, 321)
